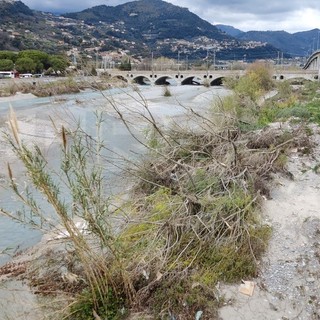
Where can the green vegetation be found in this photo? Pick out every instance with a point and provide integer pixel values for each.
(302, 103)
(33, 61)
(6, 64)
(192, 218)
(255, 83)
(125, 64)
(10, 55)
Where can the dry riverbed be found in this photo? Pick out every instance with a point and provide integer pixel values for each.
(289, 282)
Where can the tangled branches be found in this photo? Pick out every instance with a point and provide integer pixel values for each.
(195, 218)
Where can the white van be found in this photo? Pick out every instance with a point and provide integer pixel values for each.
(25, 75)
(6, 74)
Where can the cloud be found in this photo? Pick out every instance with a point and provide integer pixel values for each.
(246, 15)
(68, 6)
(258, 14)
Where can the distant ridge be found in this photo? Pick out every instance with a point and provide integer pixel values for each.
(157, 18)
(168, 29)
(229, 30)
(140, 27)
(295, 44)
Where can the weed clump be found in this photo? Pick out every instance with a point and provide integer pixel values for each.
(294, 104)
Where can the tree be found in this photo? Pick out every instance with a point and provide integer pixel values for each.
(256, 82)
(58, 64)
(125, 64)
(262, 73)
(6, 64)
(40, 59)
(10, 55)
(24, 65)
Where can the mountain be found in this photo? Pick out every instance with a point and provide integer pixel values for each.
(11, 8)
(137, 28)
(229, 30)
(11, 14)
(284, 41)
(166, 29)
(295, 44)
(309, 41)
(156, 19)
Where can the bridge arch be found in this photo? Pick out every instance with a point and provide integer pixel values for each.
(313, 63)
(192, 80)
(142, 80)
(217, 81)
(163, 81)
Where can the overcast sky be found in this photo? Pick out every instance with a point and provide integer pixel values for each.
(288, 15)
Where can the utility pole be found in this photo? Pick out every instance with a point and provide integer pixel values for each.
(233, 62)
(105, 63)
(278, 58)
(178, 63)
(207, 61)
(214, 60)
(244, 58)
(152, 64)
(74, 60)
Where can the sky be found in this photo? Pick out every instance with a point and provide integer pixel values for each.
(289, 15)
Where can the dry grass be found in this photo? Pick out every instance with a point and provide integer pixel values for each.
(51, 87)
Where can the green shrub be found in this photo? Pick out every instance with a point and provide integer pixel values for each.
(256, 82)
(110, 306)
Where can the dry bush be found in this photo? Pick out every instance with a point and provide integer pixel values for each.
(195, 215)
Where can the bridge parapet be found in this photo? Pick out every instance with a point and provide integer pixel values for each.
(212, 77)
(178, 76)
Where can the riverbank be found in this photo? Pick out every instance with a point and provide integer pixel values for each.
(289, 277)
(304, 168)
(51, 86)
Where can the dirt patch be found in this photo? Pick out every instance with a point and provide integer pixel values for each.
(289, 281)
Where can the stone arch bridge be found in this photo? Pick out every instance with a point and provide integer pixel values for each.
(188, 77)
(196, 77)
(313, 62)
